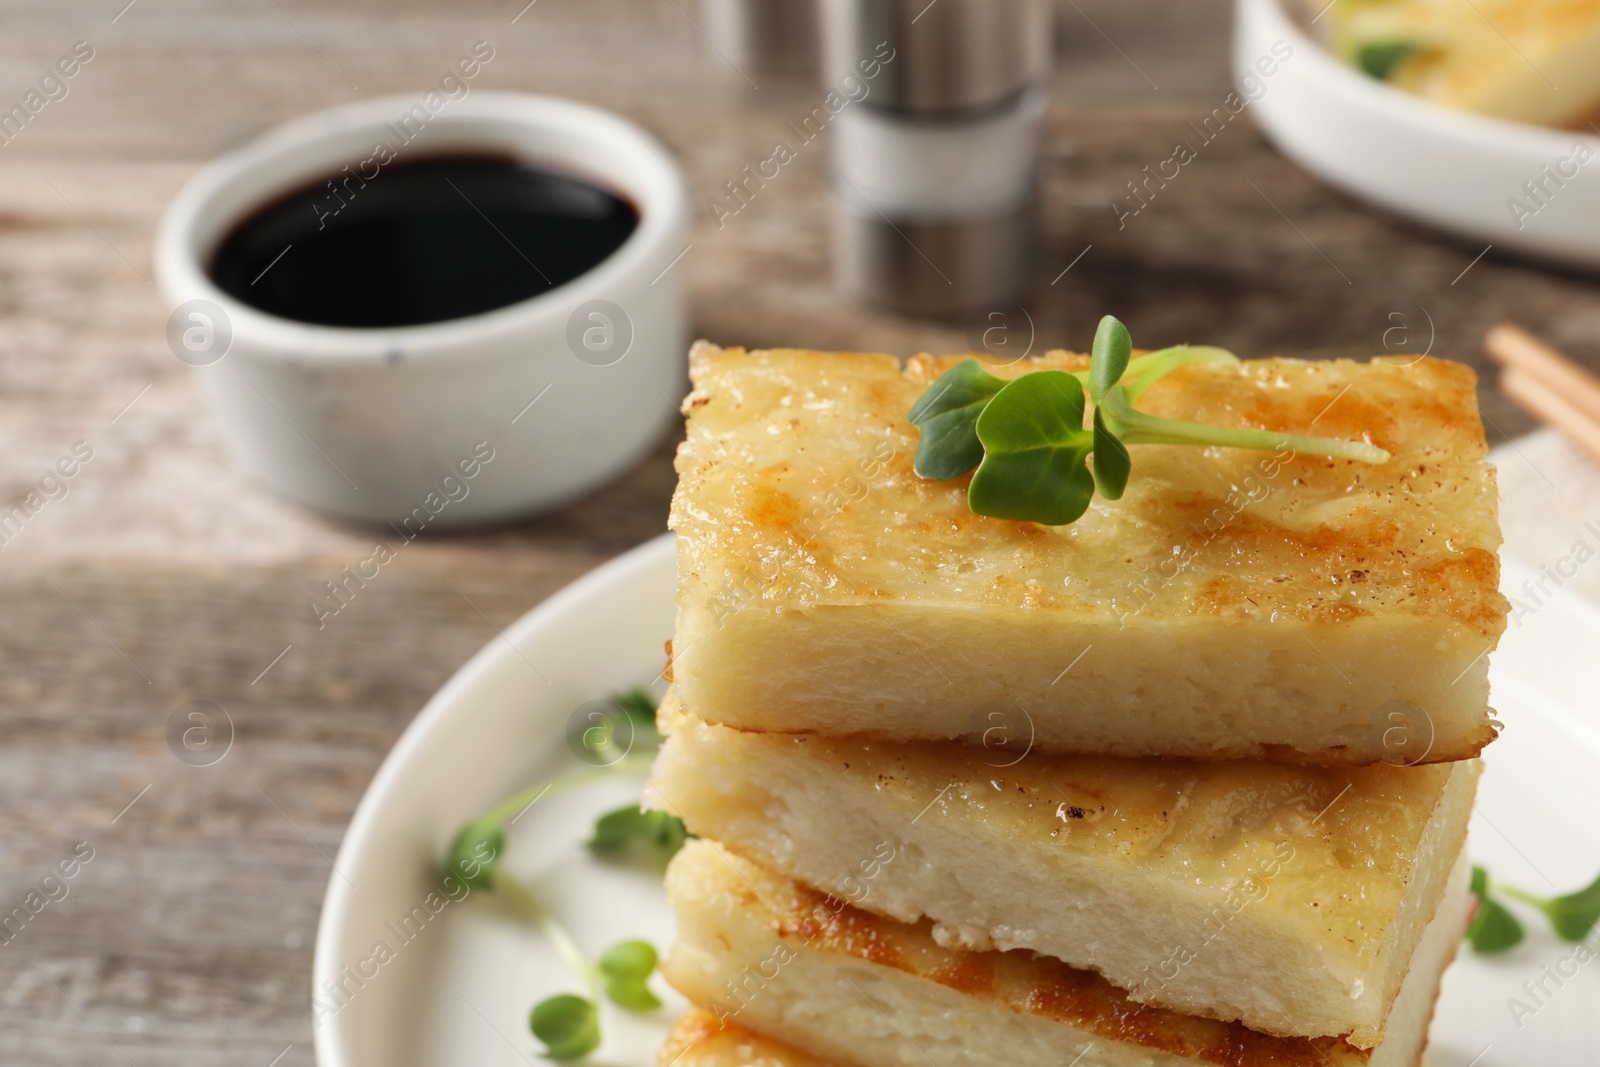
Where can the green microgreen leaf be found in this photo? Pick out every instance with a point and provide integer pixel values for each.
(568, 1025)
(476, 851)
(1108, 358)
(1493, 929)
(602, 737)
(639, 706)
(625, 968)
(631, 825)
(1035, 452)
(1380, 58)
(1153, 366)
(1571, 915)
(1112, 464)
(947, 415)
(1575, 914)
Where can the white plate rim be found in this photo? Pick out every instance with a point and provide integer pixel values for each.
(339, 900)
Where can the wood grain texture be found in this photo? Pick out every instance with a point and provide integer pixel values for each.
(164, 577)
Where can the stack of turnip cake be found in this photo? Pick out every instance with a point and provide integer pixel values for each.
(1184, 782)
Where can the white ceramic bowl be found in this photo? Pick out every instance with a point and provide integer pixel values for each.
(375, 424)
(1450, 169)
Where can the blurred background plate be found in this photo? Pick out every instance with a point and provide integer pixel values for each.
(460, 992)
(1450, 169)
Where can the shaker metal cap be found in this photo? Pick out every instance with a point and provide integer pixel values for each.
(949, 55)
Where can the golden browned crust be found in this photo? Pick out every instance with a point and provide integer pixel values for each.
(1341, 846)
(1280, 755)
(799, 462)
(697, 1039)
(1036, 985)
(693, 1029)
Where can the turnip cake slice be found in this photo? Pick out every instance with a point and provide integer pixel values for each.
(1233, 603)
(762, 955)
(1290, 898)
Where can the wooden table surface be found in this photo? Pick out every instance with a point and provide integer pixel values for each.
(164, 577)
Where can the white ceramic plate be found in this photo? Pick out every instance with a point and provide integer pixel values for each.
(1451, 169)
(459, 991)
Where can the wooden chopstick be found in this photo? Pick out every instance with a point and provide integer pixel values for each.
(1545, 403)
(1547, 384)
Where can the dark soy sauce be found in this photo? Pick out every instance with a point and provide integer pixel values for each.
(420, 241)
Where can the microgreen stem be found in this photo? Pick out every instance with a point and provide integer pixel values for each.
(551, 927)
(1135, 428)
(1519, 894)
(511, 805)
(1143, 371)
(1166, 360)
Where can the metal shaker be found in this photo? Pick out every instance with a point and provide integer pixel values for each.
(935, 171)
(764, 36)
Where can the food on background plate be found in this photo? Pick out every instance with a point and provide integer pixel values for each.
(1535, 61)
(1291, 898)
(763, 953)
(1226, 602)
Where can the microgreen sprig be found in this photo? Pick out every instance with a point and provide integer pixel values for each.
(1035, 459)
(630, 826)
(1571, 915)
(623, 969)
(569, 1024)
(476, 851)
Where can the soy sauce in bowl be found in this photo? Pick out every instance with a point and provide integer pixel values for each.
(421, 241)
